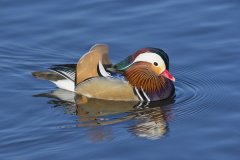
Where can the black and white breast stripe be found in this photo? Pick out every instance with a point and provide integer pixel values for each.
(141, 94)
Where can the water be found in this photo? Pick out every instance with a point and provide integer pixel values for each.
(202, 40)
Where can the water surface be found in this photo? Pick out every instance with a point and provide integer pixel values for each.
(38, 121)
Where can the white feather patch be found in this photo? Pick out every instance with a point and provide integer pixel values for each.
(65, 84)
(102, 70)
(151, 58)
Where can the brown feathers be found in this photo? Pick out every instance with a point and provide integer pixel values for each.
(52, 76)
(141, 75)
(87, 64)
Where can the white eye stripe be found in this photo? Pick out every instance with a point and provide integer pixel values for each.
(151, 58)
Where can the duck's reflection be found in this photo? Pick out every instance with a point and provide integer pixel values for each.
(142, 119)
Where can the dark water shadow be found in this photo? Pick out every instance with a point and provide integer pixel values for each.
(149, 120)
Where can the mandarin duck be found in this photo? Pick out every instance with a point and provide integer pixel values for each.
(143, 76)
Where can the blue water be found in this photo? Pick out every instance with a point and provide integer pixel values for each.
(202, 40)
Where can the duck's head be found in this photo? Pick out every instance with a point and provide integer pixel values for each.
(148, 60)
(147, 69)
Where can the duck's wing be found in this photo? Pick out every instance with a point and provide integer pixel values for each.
(69, 70)
(66, 76)
(66, 70)
(91, 64)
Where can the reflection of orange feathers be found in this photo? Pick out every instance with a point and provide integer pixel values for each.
(140, 75)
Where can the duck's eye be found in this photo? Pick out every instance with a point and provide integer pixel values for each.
(155, 64)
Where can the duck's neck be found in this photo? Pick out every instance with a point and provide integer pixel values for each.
(156, 87)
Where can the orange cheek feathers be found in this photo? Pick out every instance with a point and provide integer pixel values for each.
(156, 70)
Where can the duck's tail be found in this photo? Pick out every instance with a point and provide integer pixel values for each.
(62, 75)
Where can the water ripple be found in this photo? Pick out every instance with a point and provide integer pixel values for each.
(194, 92)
